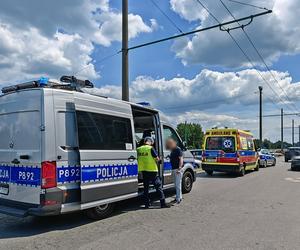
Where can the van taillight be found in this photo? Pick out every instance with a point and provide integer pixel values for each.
(48, 174)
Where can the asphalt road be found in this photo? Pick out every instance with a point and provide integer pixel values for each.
(258, 211)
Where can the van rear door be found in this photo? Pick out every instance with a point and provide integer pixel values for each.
(20, 147)
(108, 156)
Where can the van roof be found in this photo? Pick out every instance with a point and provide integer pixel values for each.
(225, 131)
(86, 92)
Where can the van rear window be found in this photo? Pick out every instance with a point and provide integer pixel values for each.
(227, 144)
(103, 132)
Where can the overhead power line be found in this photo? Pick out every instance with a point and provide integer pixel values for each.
(205, 103)
(248, 4)
(97, 62)
(260, 56)
(166, 16)
(241, 49)
(220, 25)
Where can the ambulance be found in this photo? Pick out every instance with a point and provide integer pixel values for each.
(229, 150)
(64, 150)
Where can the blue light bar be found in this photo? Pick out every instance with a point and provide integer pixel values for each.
(43, 81)
(146, 104)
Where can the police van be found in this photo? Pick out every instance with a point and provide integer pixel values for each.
(64, 150)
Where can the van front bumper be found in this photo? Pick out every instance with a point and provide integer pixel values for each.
(20, 209)
(221, 168)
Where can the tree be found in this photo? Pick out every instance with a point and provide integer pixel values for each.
(191, 133)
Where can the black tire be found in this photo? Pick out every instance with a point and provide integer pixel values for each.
(242, 171)
(274, 164)
(100, 212)
(257, 166)
(187, 182)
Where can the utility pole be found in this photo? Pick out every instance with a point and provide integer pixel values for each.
(299, 136)
(125, 70)
(185, 131)
(293, 132)
(282, 130)
(260, 88)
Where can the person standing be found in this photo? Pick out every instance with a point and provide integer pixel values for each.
(147, 164)
(176, 158)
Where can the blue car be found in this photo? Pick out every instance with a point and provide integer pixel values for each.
(266, 158)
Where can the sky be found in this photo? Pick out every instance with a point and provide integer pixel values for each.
(202, 78)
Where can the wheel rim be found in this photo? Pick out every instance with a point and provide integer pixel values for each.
(188, 182)
(101, 208)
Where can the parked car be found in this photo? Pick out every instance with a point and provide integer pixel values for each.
(197, 153)
(291, 152)
(266, 158)
(295, 164)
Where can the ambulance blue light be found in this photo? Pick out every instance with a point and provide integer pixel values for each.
(147, 104)
(43, 81)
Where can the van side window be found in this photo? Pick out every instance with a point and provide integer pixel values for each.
(170, 133)
(250, 144)
(103, 132)
(244, 143)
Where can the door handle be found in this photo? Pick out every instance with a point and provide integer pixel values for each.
(131, 158)
(15, 161)
(167, 157)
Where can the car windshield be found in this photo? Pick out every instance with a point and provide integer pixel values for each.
(225, 143)
(265, 151)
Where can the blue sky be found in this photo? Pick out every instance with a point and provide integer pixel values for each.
(202, 78)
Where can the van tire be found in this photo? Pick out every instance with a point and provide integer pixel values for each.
(100, 212)
(209, 172)
(187, 182)
(257, 166)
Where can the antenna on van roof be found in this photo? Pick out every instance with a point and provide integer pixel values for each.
(76, 84)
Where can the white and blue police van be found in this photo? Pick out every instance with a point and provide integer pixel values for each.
(65, 150)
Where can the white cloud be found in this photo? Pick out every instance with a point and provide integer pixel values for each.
(214, 98)
(58, 37)
(275, 34)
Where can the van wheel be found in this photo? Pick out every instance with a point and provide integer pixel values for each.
(209, 172)
(100, 212)
(242, 171)
(187, 182)
(274, 163)
(257, 167)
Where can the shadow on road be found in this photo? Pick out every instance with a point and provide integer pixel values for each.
(217, 175)
(13, 227)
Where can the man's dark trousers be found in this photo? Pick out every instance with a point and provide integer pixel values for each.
(153, 178)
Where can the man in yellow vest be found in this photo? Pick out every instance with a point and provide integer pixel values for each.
(147, 164)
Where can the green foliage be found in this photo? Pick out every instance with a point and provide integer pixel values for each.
(271, 145)
(191, 133)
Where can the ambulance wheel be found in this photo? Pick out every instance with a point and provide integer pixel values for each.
(100, 212)
(257, 167)
(187, 182)
(209, 172)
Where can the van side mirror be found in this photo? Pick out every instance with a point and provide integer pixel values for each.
(184, 145)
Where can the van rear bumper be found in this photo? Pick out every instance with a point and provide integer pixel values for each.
(221, 168)
(20, 209)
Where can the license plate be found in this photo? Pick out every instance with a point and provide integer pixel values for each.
(4, 189)
(211, 160)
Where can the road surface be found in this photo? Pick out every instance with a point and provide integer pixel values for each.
(258, 211)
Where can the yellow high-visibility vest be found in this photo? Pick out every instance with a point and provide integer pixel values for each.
(146, 162)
